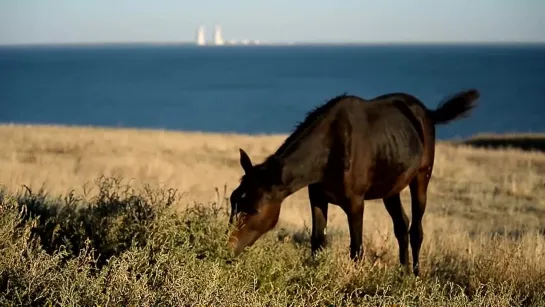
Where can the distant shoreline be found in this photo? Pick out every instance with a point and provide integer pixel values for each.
(527, 141)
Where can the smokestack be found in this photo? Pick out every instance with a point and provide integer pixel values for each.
(218, 40)
(200, 37)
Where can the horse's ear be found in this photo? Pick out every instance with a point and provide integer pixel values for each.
(245, 161)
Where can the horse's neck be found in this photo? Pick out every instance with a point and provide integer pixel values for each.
(304, 164)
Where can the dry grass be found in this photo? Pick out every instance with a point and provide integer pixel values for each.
(497, 188)
(484, 221)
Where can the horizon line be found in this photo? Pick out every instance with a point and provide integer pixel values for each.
(265, 44)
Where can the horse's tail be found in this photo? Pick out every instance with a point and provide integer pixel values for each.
(455, 107)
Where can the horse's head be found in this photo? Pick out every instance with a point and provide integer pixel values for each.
(255, 203)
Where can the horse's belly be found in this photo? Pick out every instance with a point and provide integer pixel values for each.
(384, 185)
(394, 167)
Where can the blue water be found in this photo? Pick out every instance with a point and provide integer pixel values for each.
(262, 89)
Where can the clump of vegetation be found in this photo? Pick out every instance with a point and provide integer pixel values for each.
(125, 247)
(114, 220)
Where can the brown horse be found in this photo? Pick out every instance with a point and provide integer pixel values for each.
(347, 151)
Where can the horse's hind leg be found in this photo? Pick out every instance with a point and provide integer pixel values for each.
(401, 227)
(419, 188)
(318, 208)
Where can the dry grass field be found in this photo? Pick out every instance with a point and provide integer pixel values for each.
(484, 228)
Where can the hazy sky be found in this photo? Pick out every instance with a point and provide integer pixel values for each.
(61, 21)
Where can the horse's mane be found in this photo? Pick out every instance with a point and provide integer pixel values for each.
(305, 126)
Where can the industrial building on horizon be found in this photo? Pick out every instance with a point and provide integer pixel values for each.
(200, 36)
(218, 38)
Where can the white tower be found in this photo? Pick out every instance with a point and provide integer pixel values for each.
(200, 36)
(218, 40)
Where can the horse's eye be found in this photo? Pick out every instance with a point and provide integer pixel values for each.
(243, 195)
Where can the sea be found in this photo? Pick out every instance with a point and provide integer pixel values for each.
(263, 89)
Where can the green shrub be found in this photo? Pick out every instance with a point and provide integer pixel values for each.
(129, 248)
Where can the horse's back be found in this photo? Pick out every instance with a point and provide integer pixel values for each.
(417, 113)
(388, 144)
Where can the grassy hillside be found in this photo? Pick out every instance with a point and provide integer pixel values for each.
(484, 241)
(529, 142)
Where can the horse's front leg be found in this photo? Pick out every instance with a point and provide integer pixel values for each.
(318, 207)
(354, 209)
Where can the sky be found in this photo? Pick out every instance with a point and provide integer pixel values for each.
(336, 21)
